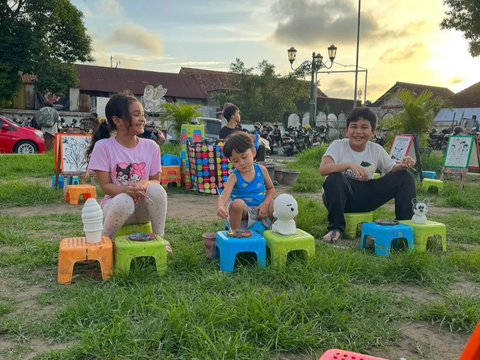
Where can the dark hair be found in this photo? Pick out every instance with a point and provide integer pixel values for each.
(119, 106)
(275, 125)
(95, 114)
(229, 112)
(47, 104)
(238, 141)
(362, 112)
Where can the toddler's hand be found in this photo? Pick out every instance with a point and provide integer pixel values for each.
(262, 210)
(222, 212)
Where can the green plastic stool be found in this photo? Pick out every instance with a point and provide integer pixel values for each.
(353, 219)
(133, 229)
(421, 232)
(376, 176)
(280, 245)
(126, 250)
(426, 183)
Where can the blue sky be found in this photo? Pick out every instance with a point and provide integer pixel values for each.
(400, 41)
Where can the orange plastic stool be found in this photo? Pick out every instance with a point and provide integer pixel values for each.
(170, 174)
(472, 350)
(73, 192)
(77, 249)
(336, 354)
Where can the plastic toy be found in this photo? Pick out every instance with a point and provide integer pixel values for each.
(420, 211)
(285, 208)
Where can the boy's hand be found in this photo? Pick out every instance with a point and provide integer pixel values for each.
(222, 212)
(262, 210)
(408, 162)
(360, 171)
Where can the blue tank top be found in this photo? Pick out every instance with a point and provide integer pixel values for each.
(253, 192)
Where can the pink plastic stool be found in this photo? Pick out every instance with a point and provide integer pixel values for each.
(336, 354)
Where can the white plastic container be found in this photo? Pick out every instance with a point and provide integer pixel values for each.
(92, 217)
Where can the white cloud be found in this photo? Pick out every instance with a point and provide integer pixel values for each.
(136, 36)
(109, 7)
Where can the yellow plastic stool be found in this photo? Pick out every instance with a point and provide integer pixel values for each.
(426, 183)
(421, 232)
(353, 219)
(280, 245)
(126, 250)
(133, 229)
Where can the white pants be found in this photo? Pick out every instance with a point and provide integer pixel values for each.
(122, 210)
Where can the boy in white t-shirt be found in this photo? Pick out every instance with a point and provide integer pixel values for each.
(349, 165)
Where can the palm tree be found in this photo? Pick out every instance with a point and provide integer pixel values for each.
(417, 115)
(180, 114)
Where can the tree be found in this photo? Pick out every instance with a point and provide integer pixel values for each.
(417, 115)
(464, 16)
(264, 97)
(180, 114)
(42, 37)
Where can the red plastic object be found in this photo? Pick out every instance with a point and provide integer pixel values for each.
(472, 350)
(336, 354)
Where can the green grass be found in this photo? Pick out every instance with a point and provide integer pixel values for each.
(20, 166)
(308, 162)
(458, 313)
(341, 298)
(26, 193)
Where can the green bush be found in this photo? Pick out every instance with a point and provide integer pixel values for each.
(432, 161)
(308, 162)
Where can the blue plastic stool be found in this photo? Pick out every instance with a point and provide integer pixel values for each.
(258, 227)
(428, 174)
(168, 160)
(384, 235)
(227, 248)
(61, 181)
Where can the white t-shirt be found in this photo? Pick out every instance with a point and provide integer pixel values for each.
(372, 158)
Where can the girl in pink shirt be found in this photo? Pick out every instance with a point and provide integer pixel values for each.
(128, 168)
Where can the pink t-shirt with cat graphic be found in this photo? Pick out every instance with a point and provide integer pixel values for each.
(126, 166)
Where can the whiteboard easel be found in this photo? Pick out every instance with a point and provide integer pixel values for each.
(406, 145)
(461, 153)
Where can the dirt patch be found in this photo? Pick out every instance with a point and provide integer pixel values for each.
(44, 209)
(416, 293)
(425, 341)
(465, 288)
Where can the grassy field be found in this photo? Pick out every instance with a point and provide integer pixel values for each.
(344, 297)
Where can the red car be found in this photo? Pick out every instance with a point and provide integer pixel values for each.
(22, 140)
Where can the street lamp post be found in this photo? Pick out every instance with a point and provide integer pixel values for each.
(312, 66)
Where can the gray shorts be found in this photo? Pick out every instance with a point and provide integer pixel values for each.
(252, 219)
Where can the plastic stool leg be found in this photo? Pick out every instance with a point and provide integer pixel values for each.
(65, 270)
(227, 261)
(278, 258)
(86, 196)
(262, 258)
(123, 263)
(443, 234)
(384, 249)
(161, 263)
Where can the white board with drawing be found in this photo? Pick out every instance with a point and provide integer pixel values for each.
(73, 149)
(403, 145)
(461, 152)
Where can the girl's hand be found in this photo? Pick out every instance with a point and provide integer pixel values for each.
(222, 212)
(135, 191)
(262, 210)
(143, 183)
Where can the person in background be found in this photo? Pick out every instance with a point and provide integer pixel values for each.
(47, 118)
(276, 135)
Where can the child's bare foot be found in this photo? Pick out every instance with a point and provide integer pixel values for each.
(333, 236)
